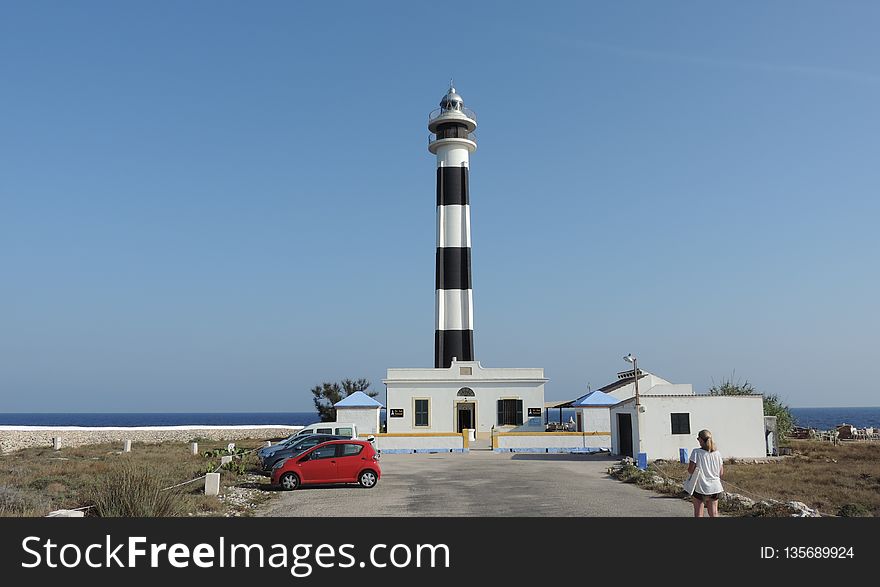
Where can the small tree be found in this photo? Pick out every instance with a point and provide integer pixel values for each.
(773, 406)
(327, 394)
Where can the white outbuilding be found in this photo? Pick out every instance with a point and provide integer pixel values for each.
(662, 425)
(360, 409)
(593, 412)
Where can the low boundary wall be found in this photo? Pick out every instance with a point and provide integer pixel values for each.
(584, 442)
(14, 438)
(419, 442)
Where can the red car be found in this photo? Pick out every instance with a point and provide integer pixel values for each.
(336, 461)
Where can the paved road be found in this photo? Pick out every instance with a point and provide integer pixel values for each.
(483, 484)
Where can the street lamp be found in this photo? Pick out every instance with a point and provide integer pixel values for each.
(629, 358)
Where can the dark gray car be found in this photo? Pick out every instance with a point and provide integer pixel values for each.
(291, 449)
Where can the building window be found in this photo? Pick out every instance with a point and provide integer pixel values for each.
(421, 412)
(510, 412)
(465, 370)
(465, 392)
(681, 423)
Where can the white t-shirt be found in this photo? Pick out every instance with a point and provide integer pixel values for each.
(709, 468)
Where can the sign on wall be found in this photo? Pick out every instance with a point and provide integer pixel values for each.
(396, 412)
(534, 412)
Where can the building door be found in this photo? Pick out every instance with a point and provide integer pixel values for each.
(625, 435)
(580, 422)
(465, 416)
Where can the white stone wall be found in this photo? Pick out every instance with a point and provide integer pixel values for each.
(19, 437)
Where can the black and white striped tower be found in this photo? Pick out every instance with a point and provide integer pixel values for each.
(452, 140)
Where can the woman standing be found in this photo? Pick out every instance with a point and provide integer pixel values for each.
(706, 460)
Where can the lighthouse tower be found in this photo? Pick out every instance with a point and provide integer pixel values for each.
(452, 140)
(458, 394)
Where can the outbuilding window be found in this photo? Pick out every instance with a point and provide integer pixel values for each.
(510, 412)
(421, 412)
(681, 423)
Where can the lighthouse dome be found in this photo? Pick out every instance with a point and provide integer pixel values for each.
(451, 101)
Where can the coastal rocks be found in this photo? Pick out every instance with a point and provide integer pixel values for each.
(800, 510)
(787, 509)
(735, 501)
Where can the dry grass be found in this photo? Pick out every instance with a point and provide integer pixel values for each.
(34, 482)
(821, 475)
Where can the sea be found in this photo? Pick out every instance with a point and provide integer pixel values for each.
(818, 418)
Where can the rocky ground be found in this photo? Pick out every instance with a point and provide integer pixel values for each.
(730, 503)
(244, 498)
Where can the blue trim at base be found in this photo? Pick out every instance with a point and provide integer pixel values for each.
(556, 450)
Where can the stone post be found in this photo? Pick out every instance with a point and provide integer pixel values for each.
(194, 447)
(212, 484)
(56, 442)
(126, 446)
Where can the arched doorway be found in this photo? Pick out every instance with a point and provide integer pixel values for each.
(465, 410)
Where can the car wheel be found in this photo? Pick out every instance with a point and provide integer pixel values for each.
(289, 481)
(368, 479)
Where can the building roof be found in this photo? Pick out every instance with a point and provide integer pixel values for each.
(691, 395)
(594, 398)
(357, 400)
(623, 380)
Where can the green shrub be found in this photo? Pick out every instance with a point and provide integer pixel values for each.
(132, 491)
(17, 502)
(237, 466)
(854, 510)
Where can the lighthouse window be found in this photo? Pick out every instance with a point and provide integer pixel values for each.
(510, 412)
(421, 412)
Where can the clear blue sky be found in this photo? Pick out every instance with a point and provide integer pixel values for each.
(213, 206)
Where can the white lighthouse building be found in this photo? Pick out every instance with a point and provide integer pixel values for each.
(458, 393)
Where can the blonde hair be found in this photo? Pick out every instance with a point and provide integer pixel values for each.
(706, 437)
